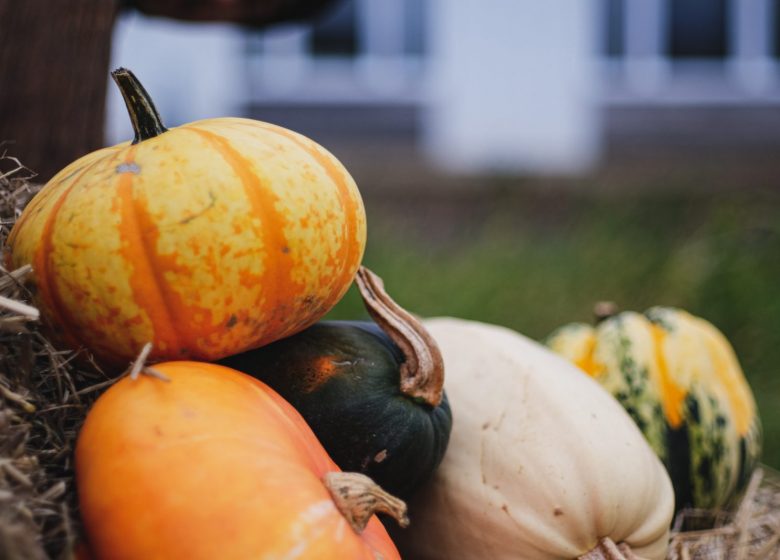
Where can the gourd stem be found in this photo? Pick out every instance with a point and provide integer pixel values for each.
(358, 497)
(606, 549)
(143, 114)
(603, 310)
(422, 373)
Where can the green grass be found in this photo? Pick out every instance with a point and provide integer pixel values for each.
(534, 261)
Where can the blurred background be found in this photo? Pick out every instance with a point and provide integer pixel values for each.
(521, 161)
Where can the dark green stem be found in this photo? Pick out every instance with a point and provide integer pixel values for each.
(143, 114)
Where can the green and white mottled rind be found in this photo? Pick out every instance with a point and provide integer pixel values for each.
(679, 379)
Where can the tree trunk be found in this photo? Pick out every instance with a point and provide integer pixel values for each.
(54, 57)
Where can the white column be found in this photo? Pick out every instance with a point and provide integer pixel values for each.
(282, 63)
(512, 86)
(381, 28)
(192, 71)
(646, 35)
(750, 35)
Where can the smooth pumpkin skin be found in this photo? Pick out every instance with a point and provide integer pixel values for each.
(542, 462)
(209, 239)
(680, 380)
(343, 377)
(213, 464)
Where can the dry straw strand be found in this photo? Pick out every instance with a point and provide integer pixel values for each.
(750, 532)
(43, 400)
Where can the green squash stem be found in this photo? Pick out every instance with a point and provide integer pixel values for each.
(358, 497)
(422, 373)
(606, 549)
(143, 114)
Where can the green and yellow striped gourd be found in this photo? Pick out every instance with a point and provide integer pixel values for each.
(679, 379)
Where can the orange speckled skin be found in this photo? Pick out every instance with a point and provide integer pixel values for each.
(213, 464)
(209, 239)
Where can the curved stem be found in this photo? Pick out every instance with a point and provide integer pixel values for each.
(422, 373)
(603, 310)
(606, 549)
(143, 114)
(358, 497)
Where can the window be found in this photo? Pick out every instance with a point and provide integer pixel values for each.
(613, 28)
(697, 29)
(335, 33)
(415, 12)
(774, 10)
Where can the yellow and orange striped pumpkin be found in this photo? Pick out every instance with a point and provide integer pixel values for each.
(206, 239)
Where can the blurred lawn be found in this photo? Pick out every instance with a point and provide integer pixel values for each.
(533, 260)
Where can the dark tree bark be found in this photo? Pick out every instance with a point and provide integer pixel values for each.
(54, 57)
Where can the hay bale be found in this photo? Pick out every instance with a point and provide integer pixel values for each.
(750, 532)
(44, 396)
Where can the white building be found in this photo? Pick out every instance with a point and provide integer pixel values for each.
(503, 85)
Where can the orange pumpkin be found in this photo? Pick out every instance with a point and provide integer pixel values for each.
(215, 464)
(206, 239)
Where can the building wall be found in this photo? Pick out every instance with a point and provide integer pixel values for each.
(499, 86)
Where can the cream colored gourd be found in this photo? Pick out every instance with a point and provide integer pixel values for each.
(542, 462)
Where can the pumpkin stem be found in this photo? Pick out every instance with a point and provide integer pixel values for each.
(603, 310)
(358, 497)
(422, 373)
(143, 114)
(608, 550)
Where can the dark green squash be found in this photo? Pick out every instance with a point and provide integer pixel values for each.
(372, 392)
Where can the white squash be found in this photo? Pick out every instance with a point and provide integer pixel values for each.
(542, 461)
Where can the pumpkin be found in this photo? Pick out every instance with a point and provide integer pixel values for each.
(206, 239)
(542, 462)
(679, 379)
(372, 392)
(215, 464)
